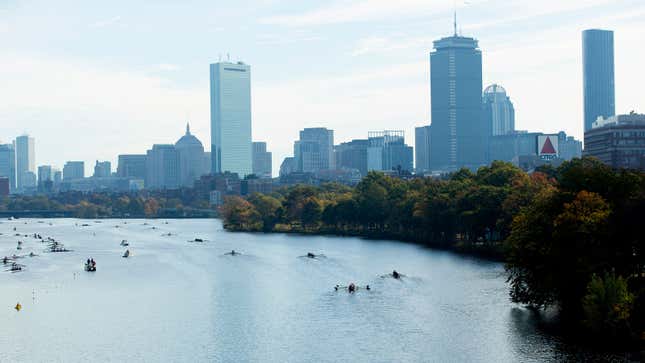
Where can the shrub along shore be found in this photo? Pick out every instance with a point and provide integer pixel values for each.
(569, 235)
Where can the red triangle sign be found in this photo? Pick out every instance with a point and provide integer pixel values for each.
(548, 148)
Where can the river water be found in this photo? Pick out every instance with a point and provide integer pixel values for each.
(177, 301)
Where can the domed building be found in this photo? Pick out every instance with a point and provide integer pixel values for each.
(191, 158)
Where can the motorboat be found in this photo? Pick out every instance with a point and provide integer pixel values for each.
(126, 254)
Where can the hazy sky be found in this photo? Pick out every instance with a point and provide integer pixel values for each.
(93, 79)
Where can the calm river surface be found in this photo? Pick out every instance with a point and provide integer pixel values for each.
(177, 301)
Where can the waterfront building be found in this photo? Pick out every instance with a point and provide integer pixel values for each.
(74, 170)
(8, 164)
(191, 158)
(314, 150)
(262, 160)
(422, 149)
(230, 102)
(618, 141)
(102, 169)
(162, 167)
(387, 151)
(459, 136)
(498, 110)
(25, 149)
(598, 75)
(131, 166)
(352, 155)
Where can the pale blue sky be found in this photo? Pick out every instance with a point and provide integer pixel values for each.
(90, 80)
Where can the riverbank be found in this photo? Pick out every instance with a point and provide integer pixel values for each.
(569, 236)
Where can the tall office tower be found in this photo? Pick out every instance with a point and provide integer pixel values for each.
(262, 160)
(24, 147)
(314, 150)
(499, 112)
(230, 97)
(422, 149)
(459, 136)
(74, 170)
(162, 167)
(45, 178)
(191, 158)
(132, 166)
(387, 151)
(352, 155)
(8, 164)
(598, 75)
(57, 176)
(45, 174)
(102, 169)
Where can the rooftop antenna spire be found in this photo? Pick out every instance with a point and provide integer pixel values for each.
(455, 17)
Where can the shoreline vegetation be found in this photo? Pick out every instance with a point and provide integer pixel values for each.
(569, 236)
(183, 203)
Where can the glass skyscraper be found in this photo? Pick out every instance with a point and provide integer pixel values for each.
(459, 135)
(498, 110)
(598, 75)
(25, 160)
(230, 96)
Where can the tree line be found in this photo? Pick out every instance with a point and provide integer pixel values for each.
(570, 235)
(144, 204)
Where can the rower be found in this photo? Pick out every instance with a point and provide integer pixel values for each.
(396, 275)
(311, 255)
(351, 287)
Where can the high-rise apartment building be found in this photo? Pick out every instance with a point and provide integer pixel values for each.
(230, 100)
(73, 170)
(459, 136)
(422, 149)
(262, 160)
(598, 75)
(25, 149)
(8, 164)
(498, 110)
(314, 150)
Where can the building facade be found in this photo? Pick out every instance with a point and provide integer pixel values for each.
(618, 141)
(8, 164)
(102, 169)
(132, 166)
(262, 160)
(314, 150)
(459, 136)
(387, 151)
(352, 155)
(230, 101)
(598, 75)
(74, 170)
(162, 167)
(191, 158)
(25, 149)
(422, 149)
(498, 110)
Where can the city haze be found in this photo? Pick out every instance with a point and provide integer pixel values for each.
(91, 81)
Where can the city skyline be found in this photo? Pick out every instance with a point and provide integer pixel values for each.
(379, 77)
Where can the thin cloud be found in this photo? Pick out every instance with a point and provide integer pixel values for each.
(107, 22)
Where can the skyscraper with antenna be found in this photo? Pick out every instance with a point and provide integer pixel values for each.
(459, 135)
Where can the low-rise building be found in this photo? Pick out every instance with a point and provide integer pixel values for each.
(618, 141)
